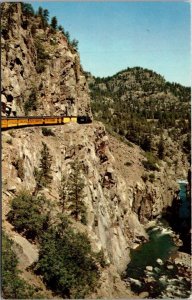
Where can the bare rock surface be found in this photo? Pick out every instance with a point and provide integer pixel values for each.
(57, 79)
(111, 186)
(110, 218)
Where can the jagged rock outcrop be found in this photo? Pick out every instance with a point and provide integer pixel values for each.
(36, 60)
(112, 224)
(150, 192)
(117, 199)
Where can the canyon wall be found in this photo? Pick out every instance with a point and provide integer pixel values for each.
(119, 201)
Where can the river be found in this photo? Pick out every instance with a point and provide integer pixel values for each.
(150, 270)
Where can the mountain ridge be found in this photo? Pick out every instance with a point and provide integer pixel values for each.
(89, 74)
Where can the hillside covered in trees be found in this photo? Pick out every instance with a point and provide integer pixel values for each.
(140, 105)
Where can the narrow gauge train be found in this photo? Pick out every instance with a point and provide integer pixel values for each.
(14, 122)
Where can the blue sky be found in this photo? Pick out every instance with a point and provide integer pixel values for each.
(115, 35)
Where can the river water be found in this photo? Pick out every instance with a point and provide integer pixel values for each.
(159, 279)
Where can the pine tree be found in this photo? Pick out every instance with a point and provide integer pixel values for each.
(67, 35)
(43, 174)
(40, 11)
(61, 29)
(161, 148)
(75, 189)
(45, 18)
(63, 193)
(27, 9)
(46, 15)
(54, 23)
(74, 44)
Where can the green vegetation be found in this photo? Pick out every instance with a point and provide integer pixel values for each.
(14, 287)
(151, 177)
(47, 132)
(128, 164)
(26, 214)
(54, 23)
(63, 193)
(27, 9)
(71, 193)
(9, 141)
(60, 28)
(12, 133)
(67, 263)
(44, 16)
(42, 56)
(43, 173)
(138, 104)
(18, 164)
(151, 163)
(74, 44)
(161, 148)
(75, 192)
(31, 103)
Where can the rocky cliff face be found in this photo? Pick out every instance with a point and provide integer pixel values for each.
(112, 224)
(38, 63)
(118, 199)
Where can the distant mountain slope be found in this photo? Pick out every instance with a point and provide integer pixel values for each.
(139, 104)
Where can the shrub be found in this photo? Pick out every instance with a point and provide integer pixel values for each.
(13, 287)
(41, 53)
(31, 103)
(42, 56)
(27, 216)
(18, 164)
(151, 177)
(47, 132)
(150, 166)
(12, 133)
(9, 141)
(144, 177)
(151, 163)
(128, 163)
(67, 263)
(40, 67)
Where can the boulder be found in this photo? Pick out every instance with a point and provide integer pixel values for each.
(143, 295)
(170, 267)
(159, 261)
(149, 279)
(149, 268)
(12, 189)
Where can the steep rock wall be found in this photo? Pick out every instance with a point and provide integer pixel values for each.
(39, 61)
(112, 225)
(116, 197)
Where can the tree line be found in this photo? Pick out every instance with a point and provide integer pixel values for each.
(43, 14)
